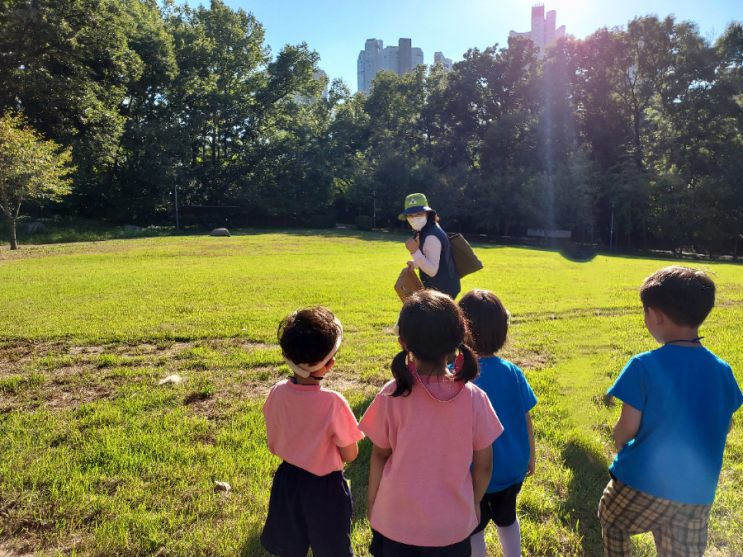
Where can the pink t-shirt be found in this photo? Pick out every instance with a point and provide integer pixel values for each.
(426, 497)
(306, 424)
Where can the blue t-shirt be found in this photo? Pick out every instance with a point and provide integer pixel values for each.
(511, 397)
(687, 397)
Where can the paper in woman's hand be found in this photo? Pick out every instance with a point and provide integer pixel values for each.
(407, 283)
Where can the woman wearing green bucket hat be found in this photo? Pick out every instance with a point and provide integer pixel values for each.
(429, 247)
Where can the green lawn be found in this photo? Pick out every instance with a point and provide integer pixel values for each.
(97, 459)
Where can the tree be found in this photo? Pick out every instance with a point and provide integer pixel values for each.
(65, 65)
(138, 183)
(29, 168)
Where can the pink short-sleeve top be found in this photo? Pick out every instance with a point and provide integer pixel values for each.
(305, 425)
(426, 496)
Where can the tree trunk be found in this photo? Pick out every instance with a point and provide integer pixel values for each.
(13, 242)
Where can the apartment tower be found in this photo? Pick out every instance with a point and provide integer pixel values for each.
(543, 31)
(375, 57)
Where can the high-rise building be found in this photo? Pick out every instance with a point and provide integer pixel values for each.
(368, 63)
(438, 58)
(319, 74)
(400, 59)
(543, 32)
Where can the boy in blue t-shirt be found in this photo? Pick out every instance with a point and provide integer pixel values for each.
(512, 399)
(678, 406)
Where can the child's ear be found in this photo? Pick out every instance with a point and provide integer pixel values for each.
(656, 316)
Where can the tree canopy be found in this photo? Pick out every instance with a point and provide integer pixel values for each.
(645, 119)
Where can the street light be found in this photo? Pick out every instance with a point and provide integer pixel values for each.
(374, 210)
(175, 189)
(611, 232)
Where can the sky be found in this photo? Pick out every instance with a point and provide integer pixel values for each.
(337, 30)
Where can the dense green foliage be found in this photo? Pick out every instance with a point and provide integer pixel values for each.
(30, 168)
(97, 459)
(646, 119)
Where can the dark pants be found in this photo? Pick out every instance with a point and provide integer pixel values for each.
(306, 511)
(499, 506)
(385, 547)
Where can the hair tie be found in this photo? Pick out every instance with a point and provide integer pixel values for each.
(459, 360)
(409, 363)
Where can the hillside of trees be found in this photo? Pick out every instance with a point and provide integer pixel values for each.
(647, 118)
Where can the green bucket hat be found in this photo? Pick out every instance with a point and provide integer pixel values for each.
(415, 203)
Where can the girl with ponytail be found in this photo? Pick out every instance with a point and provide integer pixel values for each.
(429, 427)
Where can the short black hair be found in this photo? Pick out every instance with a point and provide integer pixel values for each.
(488, 320)
(307, 336)
(685, 295)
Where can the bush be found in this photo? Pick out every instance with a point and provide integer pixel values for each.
(320, 221)
(364, 223)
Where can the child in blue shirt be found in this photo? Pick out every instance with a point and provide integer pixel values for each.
(678, 403)
(512, 399)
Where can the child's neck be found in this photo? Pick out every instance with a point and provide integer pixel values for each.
(680, 336)
(431, 369)
(306, 380)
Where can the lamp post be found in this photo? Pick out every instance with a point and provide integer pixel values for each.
(175, 189)
(611, 232)
(374, 211)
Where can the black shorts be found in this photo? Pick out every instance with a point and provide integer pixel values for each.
(385, 547)
(306, 511)
(499, 506)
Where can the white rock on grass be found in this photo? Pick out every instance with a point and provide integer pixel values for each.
(172, 380)
(36, 227)
(222, 486)
(220, 232)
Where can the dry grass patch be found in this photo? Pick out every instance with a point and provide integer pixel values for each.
(217, 373)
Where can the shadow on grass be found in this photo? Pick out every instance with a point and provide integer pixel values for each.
(584, 492)
(578, 253)
(253, 547)
(370, 236)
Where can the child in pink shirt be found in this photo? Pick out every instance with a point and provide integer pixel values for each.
(428, 426)
(314, 431)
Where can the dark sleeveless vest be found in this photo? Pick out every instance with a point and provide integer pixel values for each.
(447, 278)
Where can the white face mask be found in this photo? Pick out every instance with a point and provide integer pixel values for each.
(418, 222)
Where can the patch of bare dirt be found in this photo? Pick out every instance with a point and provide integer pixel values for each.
(524, 359)
(71, 375)
(29, 546)
(7, 550)
(728, 303)
(344, 383)
(59, 376)
(14, 355)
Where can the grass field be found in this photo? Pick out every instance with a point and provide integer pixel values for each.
(97, 459)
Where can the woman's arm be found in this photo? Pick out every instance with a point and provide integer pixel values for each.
(379, 458)
(428, 257)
